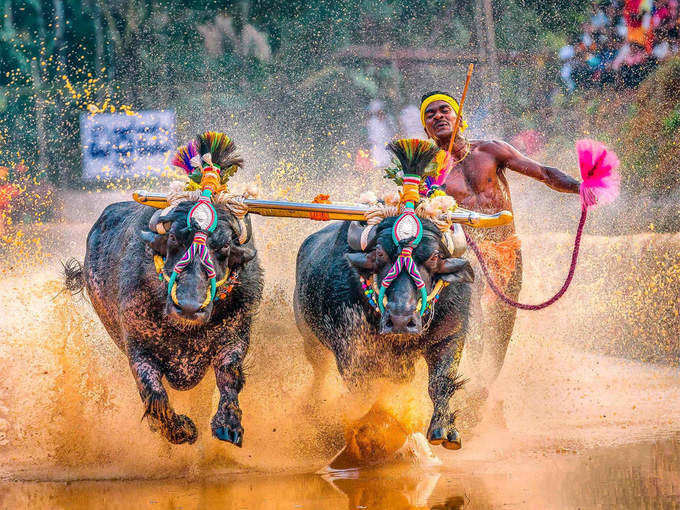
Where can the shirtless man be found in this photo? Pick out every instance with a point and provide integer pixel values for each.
(478, 182)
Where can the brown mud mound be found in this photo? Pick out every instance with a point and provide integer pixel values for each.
(379, 439)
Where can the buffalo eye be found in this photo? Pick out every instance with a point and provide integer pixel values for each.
(380, 255)
(433, 260)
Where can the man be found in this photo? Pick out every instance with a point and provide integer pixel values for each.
(476, 177)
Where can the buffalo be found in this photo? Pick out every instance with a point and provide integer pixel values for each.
(336, 288)
(176, 331)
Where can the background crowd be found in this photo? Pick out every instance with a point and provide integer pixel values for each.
(621, 42)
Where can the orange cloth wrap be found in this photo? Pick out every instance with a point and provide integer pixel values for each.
(410, 193)
(501, 259)
(320, 216)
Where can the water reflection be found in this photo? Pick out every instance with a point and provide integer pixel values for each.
(396, 489)
(645, 475)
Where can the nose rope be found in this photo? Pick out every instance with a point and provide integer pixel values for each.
(404, 263)
(230, 279)
(406, 226)
(198, 249)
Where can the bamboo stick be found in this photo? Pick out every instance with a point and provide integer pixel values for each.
(459, 115)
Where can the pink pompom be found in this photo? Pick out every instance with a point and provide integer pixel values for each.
(601, 180)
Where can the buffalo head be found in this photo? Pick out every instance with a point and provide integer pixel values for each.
(402, 314)
(171, 237)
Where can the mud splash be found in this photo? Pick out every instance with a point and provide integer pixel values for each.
(69, 408)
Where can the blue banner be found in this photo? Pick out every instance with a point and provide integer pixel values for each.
(122, 145)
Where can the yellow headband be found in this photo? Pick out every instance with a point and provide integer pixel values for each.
(442, 97)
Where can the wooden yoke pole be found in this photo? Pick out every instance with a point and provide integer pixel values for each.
(357, 212)
(460, 107)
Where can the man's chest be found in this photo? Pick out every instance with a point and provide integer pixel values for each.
(473, 176)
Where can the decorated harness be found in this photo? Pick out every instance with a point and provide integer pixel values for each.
(418, 157)
(208, 179)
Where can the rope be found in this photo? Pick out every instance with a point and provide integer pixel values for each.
(237, 207)
(198, 250)
(560, 293)
(379, 212)
(404, 262)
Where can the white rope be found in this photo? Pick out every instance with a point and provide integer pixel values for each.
(378, 212)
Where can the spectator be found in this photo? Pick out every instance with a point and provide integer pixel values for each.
(634, 63)
(409, 122)
(566, 55)
(599, 19)
(7, 194)
(621, 43)
(379, 133)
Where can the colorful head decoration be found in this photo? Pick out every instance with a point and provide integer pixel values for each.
(414, 162)
(431, 97)
(209, 162)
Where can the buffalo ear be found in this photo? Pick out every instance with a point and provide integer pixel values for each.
(362, 260)
(239, 255)
(157, 242)
(453, 270)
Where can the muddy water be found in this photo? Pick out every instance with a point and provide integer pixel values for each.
(571, 425)
(643, 475)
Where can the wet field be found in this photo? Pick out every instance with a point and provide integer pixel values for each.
(574, 423)
(641, 475)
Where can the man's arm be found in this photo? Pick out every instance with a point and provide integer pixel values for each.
(511, 158)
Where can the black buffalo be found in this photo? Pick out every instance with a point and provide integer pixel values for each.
(333, 314)
(179, 341)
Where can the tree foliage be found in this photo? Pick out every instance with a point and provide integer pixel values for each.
(270, 63)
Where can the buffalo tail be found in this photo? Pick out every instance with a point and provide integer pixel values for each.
(74, 278)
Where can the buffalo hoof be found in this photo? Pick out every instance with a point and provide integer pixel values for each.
(226, 426)
(452, 441)
(436, 436)
(448, 437)
(227, 434)
(181, 430)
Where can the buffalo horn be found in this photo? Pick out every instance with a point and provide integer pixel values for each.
(160, 227)
(361, 237)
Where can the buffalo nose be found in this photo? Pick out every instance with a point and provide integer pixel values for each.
(189, 307)
(409, 323)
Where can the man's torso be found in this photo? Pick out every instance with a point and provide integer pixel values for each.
(479, 184)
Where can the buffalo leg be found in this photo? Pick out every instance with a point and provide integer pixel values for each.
(176, 428)
(226, 424)
(442, 363)
(320, 359)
